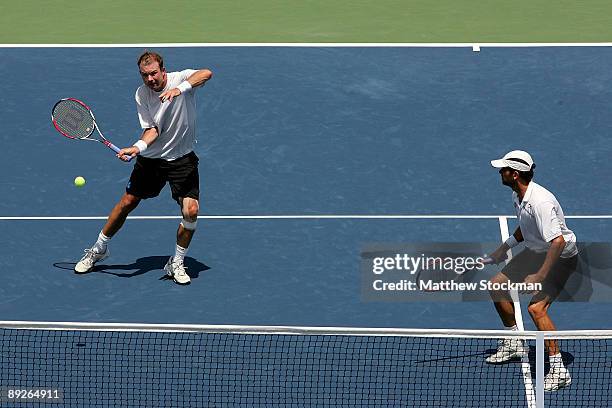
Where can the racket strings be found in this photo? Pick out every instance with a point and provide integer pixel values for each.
(73, 119)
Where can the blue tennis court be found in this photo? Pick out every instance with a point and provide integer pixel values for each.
(306, 154)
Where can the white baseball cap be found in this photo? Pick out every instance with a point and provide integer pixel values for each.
(516, 159)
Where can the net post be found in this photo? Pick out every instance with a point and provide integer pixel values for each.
(540, 350)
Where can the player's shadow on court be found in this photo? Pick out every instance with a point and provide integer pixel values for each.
(141, 266)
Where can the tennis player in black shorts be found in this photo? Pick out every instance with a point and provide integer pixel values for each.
(151, 175)
(528, 262)
(167, 113)
(549, 258)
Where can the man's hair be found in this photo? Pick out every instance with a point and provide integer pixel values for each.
(149, 56)
(526, 175)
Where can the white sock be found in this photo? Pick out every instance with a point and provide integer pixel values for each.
(556, 361)
(515, 342)
(101, 243)
(179, 254)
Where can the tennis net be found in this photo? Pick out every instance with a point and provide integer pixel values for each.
(139, 365)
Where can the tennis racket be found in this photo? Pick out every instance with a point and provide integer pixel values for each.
(75, 120)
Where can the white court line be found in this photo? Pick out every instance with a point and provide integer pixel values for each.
(257, 217)
(518, 314)
(290, 217)
(306, 45)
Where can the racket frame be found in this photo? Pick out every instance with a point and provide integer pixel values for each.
(95, 127)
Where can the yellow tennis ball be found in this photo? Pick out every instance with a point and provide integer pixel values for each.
(79, 181)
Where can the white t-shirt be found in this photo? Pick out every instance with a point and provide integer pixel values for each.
(175, 121)
(541, 220)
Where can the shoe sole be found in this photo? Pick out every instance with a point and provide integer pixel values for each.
(181, 283)
(564, 385)
(560, 387)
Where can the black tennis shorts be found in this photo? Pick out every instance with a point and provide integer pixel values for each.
(149, 177)
(529, 262)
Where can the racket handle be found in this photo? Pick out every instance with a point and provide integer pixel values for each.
(487, 260)
(115, 148)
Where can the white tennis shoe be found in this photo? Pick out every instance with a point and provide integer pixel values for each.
(88, 260)
(507, 350)
(176, 270)
(557, 378)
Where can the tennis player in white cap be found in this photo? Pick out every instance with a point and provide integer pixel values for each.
(549, 257)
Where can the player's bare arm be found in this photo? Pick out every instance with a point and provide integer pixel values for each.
(148, 137)
(552, 255)
(501, 252)
(196, 79)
